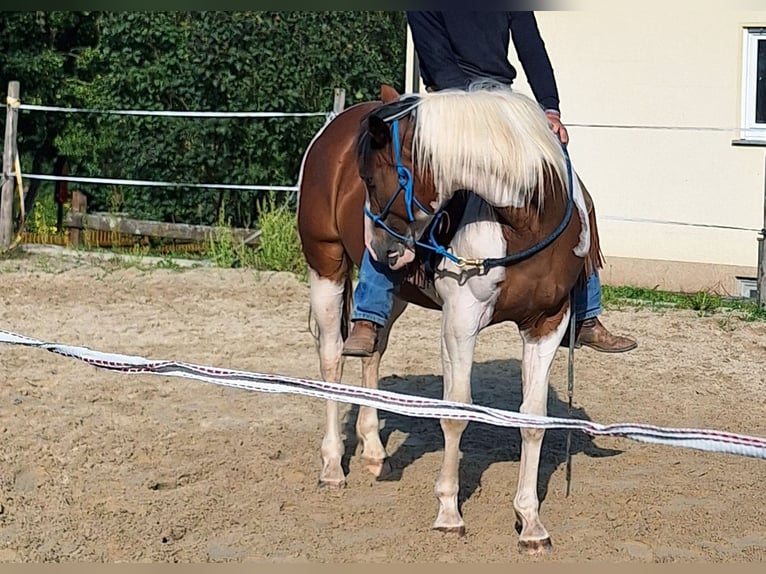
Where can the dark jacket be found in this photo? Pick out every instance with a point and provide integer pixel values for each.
(456, 48)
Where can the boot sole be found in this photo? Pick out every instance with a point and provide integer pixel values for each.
(608, 350)
(357, 353)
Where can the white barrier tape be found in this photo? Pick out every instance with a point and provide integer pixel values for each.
(680, 223)
(196, 114)
(170, 113)
(699, 439)
(149, 183)
(655, 127)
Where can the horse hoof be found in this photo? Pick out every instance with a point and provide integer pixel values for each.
(535, 547)
(378, 467)
(458, 530)
(334, 484)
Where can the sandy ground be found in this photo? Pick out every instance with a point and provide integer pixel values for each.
(100, 466)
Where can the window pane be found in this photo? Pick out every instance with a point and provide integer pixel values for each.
(760, 89)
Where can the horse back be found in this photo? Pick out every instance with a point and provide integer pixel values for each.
(540, 285)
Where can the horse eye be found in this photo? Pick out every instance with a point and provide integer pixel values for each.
(369, 182)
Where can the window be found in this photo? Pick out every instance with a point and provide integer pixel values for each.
(754, 85)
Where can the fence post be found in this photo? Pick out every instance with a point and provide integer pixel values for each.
(761, 283)
(9, 146)
(340, 101)
(77, 218)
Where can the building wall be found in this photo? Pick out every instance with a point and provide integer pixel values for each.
(652, 77)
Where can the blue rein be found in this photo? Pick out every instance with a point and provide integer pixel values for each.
(508, 259)
(406, 186)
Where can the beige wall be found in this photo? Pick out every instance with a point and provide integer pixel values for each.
(675, 67)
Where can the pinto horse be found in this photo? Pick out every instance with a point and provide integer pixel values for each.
(513, 249)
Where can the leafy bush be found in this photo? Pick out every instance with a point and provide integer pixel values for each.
(280, 247)
(217, 61)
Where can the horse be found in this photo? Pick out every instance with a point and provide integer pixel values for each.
(512, 248)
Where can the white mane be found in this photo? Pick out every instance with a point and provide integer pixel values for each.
(494, 142)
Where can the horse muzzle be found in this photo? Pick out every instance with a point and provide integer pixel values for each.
(383, 247)
(399, 257)
(394, 253)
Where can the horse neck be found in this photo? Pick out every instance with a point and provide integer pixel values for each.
(426, 192)
(540, 216)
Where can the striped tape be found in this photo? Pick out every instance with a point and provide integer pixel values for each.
(408, 405)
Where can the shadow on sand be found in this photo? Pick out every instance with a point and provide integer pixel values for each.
(494, 383)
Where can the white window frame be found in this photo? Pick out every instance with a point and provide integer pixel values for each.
(751, 130)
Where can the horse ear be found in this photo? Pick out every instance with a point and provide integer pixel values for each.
(388, 94)
(379, 132)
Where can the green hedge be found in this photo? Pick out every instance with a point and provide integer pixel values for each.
(216, 61)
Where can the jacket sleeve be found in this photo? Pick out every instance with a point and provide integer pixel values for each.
(534, 58)
(438, 65)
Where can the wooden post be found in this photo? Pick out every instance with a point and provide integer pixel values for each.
(77, 230)
(761, 283)
(61, 190)
(340, 101)
(9, 147)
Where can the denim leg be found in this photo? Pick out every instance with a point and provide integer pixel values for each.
(587, 299)
(374, 294)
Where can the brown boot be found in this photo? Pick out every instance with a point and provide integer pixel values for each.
(593, 334)
(362, 340)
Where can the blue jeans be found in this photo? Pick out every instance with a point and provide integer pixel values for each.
(587, 299)
(374, 294)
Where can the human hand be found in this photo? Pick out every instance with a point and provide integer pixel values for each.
(554, 118)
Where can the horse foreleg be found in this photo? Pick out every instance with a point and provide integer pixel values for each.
(326, 298)
(460, 327)
(374, 456)
(540, 345)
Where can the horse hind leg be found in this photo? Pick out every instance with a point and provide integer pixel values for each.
(540, 344)
(374, 456)
(327, 308)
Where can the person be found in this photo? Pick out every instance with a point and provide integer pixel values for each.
(454, 50)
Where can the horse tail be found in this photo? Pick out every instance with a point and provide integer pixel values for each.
(348, 297)
(595, 258)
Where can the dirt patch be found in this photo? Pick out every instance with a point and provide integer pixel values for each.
(98, 466)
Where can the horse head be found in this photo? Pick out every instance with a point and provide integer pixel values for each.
(398, 205)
